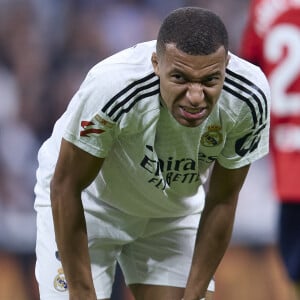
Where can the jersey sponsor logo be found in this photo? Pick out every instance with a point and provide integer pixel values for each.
(167, 172)
(60, 283)
(208, 159)
(212, 137)
(89, 129)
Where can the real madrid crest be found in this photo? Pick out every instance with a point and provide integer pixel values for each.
(60, 283)
(212, 137)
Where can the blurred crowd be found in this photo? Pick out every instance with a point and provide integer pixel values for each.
(46, 49)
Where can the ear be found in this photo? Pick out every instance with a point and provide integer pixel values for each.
(154, 60)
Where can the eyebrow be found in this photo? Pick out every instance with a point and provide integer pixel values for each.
(185, 75)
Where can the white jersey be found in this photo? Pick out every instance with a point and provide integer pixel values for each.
(155, 167)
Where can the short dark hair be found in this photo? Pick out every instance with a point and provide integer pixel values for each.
(193, 30)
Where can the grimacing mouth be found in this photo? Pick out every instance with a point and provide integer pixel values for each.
(193, 110)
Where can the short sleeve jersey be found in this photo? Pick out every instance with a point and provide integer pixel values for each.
(155, 167)
(272, 41)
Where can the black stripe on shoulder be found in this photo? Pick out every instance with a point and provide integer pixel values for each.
(245, 99)
(137, 99)
(254, 96)
(251, 85)
(125, 90)
(120, 104)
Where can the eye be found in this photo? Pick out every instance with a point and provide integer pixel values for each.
(211, 80)
(178, 77)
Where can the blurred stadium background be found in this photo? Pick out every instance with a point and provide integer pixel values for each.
(46, 48)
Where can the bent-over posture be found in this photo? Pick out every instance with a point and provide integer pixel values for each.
(121, 177)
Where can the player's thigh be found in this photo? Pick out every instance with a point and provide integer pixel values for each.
(163, 254)
(49, 271)
(106, 240)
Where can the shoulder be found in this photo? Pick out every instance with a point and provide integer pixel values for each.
(246, 91)
(246, 74)
(127, 62)
(122, 80)
(244, 105)
(135, 82)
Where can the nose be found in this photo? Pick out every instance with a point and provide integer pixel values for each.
(195, 94)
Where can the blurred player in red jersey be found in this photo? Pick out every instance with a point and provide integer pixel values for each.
(272, 41)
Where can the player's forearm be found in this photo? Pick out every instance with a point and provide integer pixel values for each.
(212, 241)
(71, 238)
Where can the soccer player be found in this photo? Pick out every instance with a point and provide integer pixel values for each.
(272, 41)
(121, 177)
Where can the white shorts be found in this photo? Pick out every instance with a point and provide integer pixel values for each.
(149, 251)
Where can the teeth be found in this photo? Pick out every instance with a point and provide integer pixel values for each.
(192, 111)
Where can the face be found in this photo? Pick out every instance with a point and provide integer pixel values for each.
(190, 85)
